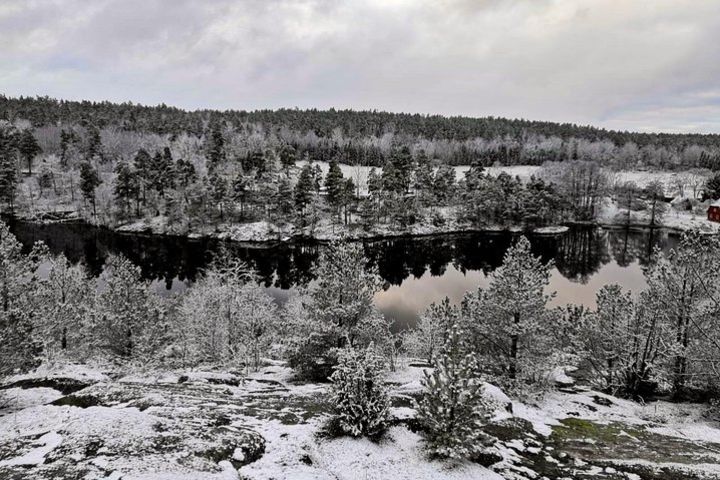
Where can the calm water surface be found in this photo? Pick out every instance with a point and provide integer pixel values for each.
(416, 271)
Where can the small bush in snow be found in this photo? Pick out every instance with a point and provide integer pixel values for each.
(452, 409)
(358, 395)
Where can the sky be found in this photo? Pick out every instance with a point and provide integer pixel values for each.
(641, 65)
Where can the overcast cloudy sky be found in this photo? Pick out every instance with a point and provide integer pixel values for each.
(625, 64)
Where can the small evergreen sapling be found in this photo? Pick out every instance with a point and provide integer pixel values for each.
(452, 409)
(358, 394)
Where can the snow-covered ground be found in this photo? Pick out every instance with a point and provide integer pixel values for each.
(691, 182)
(49, 208)
(221, 425)
(611, 214)
(359, 173)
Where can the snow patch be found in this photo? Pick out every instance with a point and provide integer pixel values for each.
(50, 441)
(399, 456)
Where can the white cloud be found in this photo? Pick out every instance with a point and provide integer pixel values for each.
(617, 63)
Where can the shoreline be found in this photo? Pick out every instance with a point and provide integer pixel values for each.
(272, 237)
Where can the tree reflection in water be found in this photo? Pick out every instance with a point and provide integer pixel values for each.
(457, 260)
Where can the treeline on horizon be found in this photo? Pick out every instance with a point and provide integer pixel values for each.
(368, 137)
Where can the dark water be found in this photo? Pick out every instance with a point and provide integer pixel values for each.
(416, 271)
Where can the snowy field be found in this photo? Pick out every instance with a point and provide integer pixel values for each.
(359, 174)
(669, 180)
(217, 425)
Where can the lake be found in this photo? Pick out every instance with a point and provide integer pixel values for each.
(417, 271)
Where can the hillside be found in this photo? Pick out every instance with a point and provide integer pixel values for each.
(460, 140)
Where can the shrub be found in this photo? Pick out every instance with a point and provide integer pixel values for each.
(358, 395)
(452, 409)
(315, 357)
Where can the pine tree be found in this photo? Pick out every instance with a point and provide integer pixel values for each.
(374, 182)
(334, 185)
(317, 177)
(8, 169)
(348, 197)
(66, 140)
(161, 172)
(288, 157)
(358, 395)
(712, 187)
(218, 189)
(89, 181)
(337, 304)
(343, 293)
(94, 149)
(45, 180)
(126, 186)
(186, 173)
(284, 199)
(452, 409)
(68, 146)
(510, 322)
(424, 179)
(304, 188)
(216, 147)
(242, 190)
(444, 183)
(28, 148)
(400, 179)
(143, 169)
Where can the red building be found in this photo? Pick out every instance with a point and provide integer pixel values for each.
(714, 212)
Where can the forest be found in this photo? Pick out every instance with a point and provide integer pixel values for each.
(367, 137)
(112, 165)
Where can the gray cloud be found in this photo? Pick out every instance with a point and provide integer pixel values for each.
(625, 64)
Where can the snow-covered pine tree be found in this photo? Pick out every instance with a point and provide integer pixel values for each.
(334, 186)
(452, 408)
(345, 288)
(358, 395)
(337, 305)
(511, 326)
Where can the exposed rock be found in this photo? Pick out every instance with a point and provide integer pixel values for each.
(63, 385)
(238, 446)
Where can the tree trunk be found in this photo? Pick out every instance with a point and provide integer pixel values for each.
(514, 338)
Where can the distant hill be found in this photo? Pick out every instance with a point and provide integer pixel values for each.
(164, 119)
(368, 137)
